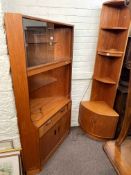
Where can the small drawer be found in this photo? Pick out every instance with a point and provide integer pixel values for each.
(59, 114)
(43, 129)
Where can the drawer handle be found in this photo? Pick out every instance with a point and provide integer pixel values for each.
(62, 110)
(49, 122)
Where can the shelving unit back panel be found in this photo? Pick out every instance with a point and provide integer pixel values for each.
(107, 67)
(51, 83)
(114, 16)
(103, 92)
(112, 40)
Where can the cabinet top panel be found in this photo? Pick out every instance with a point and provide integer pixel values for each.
(43, 20)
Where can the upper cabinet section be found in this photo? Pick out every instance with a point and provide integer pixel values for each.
(46, 42)
(115, 16)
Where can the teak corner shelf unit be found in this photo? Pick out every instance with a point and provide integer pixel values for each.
(41, 63)
(97, 117)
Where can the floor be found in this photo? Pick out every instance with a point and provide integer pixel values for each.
(79, 155)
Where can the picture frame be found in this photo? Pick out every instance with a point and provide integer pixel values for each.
(10, 163)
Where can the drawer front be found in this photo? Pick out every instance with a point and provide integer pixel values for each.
(50, 123)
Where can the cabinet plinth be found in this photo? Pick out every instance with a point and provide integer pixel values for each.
(41, 64)
(97, 117)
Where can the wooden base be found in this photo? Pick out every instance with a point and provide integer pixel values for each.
(120, 157)
(97, 119)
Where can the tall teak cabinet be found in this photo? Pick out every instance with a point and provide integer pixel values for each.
(41, 62)
(97, 116)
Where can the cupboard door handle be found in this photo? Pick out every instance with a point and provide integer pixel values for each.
(55, 131)
(59, 129)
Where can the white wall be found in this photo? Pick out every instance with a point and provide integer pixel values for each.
(8, 119)
(84, 15)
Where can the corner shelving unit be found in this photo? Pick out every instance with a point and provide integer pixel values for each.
(97, 116)
(41, 64)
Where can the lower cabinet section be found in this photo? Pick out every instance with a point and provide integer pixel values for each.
(98, 120)
(51, 139)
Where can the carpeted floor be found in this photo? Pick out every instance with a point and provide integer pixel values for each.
(79, 155)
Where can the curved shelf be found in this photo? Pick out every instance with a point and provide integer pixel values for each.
(114, 28)
(110, 53)
(98, 119)
(115, 3)
(105, 80)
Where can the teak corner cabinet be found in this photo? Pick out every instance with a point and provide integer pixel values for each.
(41, 63)
(97, 117)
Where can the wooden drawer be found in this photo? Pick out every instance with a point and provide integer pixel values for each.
(50, 123)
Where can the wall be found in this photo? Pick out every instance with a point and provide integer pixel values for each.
(8, 120)
(84, 15)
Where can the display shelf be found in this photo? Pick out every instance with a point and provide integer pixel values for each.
(46, 42)
(42, 109)
(114, 28)
(110, 53)
(115, 3)
(42, 84)
(120, 156)
(46, 67)
(112, 40)
(43, 81)
(106, 80)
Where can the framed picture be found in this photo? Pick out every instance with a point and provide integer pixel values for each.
(10, 163)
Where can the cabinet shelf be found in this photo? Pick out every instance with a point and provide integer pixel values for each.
(46, 67)
(110, 53)
(114, 28)
(115, 3)
(42, 109)
(48, 42)
(105, 80)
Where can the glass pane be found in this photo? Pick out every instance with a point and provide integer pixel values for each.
(39, 42)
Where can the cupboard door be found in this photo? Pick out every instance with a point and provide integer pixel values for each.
(64, 125)
(48, 142)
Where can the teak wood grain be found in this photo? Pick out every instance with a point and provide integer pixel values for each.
(119, 151)
(42, 86)
(112, 41)
(29, 137)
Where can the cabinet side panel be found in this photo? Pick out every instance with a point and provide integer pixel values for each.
(28, 133)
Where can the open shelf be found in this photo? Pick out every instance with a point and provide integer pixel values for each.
(120, 156)
(106, 80)
(99, 107)
(48, 42)
(114, 28)
(42, 109)
(110, 53)
(115, 3)
(46, 67)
